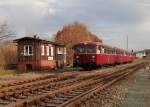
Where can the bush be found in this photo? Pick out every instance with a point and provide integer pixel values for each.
(8, 54)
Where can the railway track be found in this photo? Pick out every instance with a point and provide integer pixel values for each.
(72, 91)
(52, 77)
(40, 82)
(92, 94)
(26, 90)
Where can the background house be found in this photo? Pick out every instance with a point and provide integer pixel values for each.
(143, 54)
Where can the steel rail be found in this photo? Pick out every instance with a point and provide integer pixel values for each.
(38, 98)
(91, 94)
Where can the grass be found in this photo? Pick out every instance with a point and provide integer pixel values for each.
(14, 73)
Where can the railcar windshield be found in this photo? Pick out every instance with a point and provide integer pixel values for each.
(85, 49)
(90, 49)
(79, 49)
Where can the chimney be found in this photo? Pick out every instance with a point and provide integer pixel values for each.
(34, 36)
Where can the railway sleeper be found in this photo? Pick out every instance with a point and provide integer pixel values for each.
(54, 101)
(60, 98)
(43, 104)
(21, 97)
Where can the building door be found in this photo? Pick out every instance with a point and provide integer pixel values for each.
(28, 67)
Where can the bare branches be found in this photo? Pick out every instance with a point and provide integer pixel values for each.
(5, 32)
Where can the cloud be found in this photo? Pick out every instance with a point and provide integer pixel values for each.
(110, 20)
(26, 15)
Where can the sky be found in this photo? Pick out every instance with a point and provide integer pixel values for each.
(110, 20)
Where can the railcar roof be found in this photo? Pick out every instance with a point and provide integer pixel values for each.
(100, 44)
(94, 44)
(89, 43)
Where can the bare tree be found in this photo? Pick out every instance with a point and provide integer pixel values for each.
(7, 47)
(5, 32)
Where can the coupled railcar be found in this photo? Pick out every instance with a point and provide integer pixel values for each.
(95, 54)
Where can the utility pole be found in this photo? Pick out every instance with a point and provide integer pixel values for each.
(127, 42)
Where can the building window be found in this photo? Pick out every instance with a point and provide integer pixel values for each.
(60, 50)
(65, 51)
(28, 50)
(47, 50)
(52, 51)
(42, 50)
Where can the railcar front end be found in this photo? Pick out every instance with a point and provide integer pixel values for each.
(85, 56)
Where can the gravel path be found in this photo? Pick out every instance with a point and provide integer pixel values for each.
(133, 91)
(139, 94)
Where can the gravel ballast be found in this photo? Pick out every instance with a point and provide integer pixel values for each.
(133, 91)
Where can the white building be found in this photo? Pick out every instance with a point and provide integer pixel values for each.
(143, 54)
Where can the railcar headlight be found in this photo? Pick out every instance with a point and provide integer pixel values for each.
(77, 57)
(93, 56)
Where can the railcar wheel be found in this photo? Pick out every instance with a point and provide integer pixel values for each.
(87, 68)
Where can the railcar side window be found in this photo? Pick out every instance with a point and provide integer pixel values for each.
(113, 52)
(108, 51)
(125, 53)
(117, 52)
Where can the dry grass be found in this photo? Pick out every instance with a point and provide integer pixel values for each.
(8, 54)
(10, 75)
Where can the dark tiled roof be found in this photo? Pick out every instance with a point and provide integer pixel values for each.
(37, 39)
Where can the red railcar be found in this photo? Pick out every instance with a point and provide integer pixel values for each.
(94, 54)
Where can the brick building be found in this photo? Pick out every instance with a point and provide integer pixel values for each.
(39, 54)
